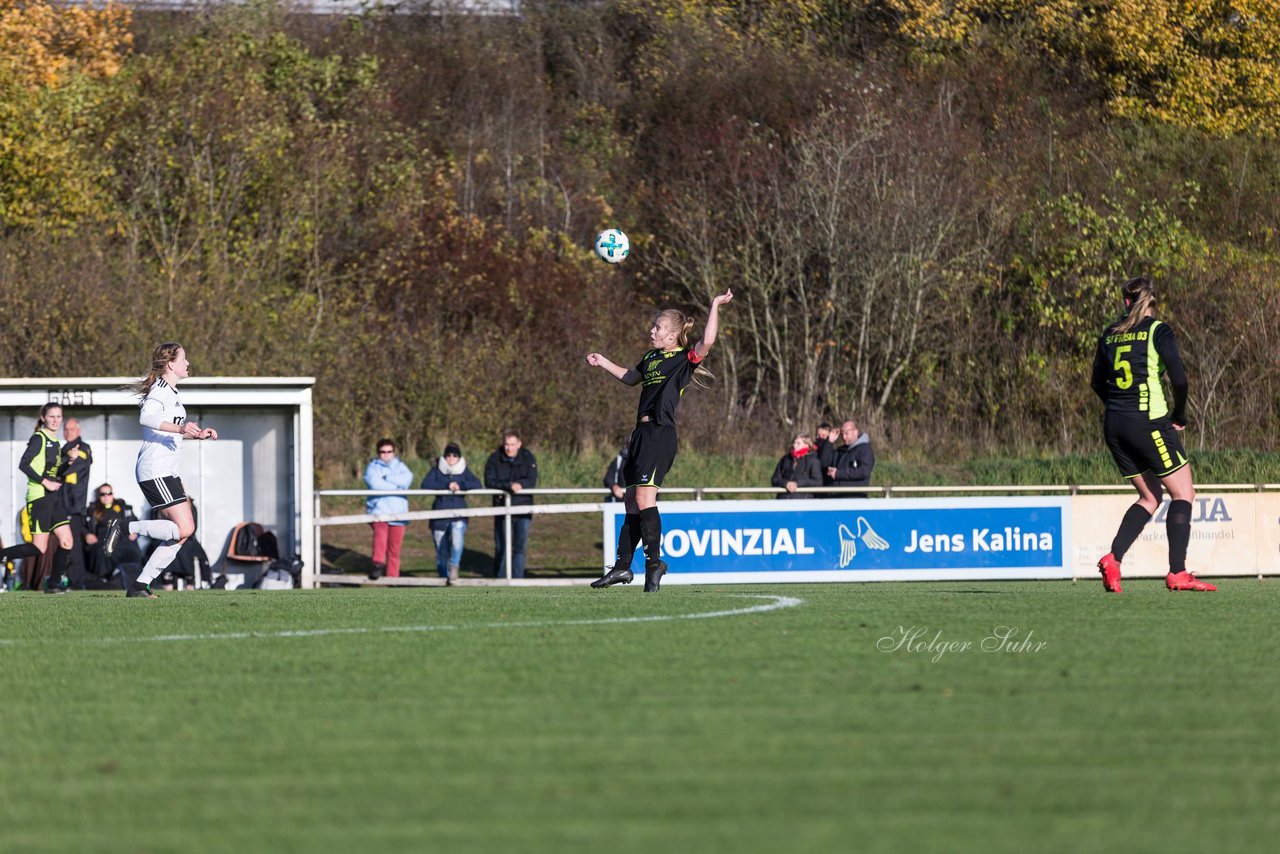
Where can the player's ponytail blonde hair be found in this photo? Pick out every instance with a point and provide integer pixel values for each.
(161, 356)
(676, 319)
(1139, 295)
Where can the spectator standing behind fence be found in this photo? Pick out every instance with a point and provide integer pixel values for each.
(854, 460)
(613, 480)
(511, 468)
(826, 450)
(798, 468)
(450, 473)
(386, 471)
(106, 508)
(77, 457)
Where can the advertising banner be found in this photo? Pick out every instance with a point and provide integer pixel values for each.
(1232, 533)
(1268, 533)
(900, 539)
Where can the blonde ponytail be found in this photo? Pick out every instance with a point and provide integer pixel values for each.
(1139, 296)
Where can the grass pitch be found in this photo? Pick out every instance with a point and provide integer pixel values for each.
(570, 719)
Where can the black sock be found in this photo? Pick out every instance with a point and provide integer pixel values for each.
(19, 551)
(628, 539)
(651, 532)
(57, 572)
(1135, 519)
(1178, 526)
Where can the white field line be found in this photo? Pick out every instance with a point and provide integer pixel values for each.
(777, 603)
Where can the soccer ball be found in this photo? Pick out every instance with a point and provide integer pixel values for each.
(612, 245)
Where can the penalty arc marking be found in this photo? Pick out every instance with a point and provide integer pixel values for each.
(776, 603)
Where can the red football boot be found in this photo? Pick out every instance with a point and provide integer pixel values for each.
(1110, 569)
(1186, 581)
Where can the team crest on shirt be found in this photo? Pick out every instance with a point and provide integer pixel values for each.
(653, 365)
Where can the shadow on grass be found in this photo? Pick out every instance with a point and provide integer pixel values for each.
(475, 564)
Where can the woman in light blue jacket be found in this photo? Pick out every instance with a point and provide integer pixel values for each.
(387, 471)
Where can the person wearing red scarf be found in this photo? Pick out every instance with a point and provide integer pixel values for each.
(798, 468)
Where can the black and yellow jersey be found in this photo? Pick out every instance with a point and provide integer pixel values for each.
(664, 375)
(39, 461)
(1127, 369)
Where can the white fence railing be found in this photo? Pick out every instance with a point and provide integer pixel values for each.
(311, 578)
(585, 505)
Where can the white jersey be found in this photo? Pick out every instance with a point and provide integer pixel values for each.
(159, 454)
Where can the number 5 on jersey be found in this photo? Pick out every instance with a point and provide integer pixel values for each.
(1122, 367)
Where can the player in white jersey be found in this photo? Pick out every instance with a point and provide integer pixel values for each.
(164, 426)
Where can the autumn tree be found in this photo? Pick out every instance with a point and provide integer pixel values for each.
(51, 58)
(1200, 64)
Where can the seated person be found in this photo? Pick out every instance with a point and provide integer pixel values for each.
(191, 554)
(102, 569)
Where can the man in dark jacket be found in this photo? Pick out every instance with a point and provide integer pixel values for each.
(450, 472)
(826, 451)
(853, 460)
(512, 469)
(613, 480)
(77, 457)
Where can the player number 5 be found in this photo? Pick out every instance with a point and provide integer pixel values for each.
(1122, 367)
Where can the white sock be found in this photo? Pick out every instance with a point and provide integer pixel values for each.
(160, 558)
(156, 529)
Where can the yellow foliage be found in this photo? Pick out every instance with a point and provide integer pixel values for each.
(938, 24)
(47, 55)
(1192, 63)
(934, 24)
(780, 22)
(41, 43)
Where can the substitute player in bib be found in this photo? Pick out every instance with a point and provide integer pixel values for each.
(663, 374)
(40, 462)
(1143, 430)
(164, 426)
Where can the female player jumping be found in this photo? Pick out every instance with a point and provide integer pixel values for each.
(663, 374)
(1142, 430)
(164, 426)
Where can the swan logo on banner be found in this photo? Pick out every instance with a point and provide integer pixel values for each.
(866, 535)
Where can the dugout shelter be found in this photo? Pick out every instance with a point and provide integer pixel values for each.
(260, 468)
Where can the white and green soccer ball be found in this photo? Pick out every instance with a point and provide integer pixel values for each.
(612, 245)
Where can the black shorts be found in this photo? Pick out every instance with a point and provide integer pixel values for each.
(163, 492)
(47, 513)
(650, 453)
(1139, 446)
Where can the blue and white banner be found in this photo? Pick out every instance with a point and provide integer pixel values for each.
(901, 539)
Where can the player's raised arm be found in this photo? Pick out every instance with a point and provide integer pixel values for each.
(624, 375)
(713, 324)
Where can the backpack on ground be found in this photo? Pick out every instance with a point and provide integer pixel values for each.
(246, 544)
